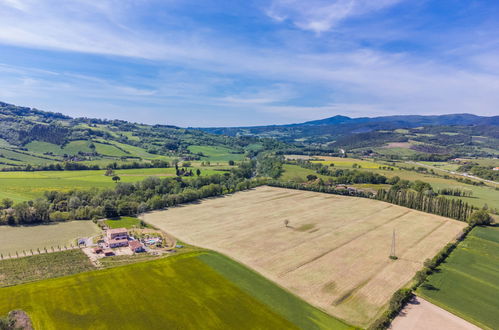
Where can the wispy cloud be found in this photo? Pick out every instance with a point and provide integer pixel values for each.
(208, 68)
(322, 15)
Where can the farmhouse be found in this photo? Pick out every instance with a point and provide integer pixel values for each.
(136, 246)
(115, 243)
(117, 237)
(495, 169)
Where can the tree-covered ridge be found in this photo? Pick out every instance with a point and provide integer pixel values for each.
(446, 135)
(38, 138)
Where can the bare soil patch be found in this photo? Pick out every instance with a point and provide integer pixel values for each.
(420, 314)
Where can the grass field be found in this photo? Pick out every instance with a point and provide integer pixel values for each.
(167, 293)
(216, 153)
(43, 266)
(481, 194)
(124, 222)
(21, 186)
(467, 284)
(334, 254)
(40, 236)
(346, 162)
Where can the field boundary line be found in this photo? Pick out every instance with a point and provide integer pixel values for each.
(343, 244)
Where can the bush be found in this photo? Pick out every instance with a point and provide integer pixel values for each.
(59, 216)
(480, 218)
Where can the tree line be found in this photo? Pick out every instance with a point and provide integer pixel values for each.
(126, 199)
(429, 203)
(77, 166)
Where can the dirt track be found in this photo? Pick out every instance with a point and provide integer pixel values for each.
(420, 314)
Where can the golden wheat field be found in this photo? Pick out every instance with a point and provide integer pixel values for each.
(334, 252)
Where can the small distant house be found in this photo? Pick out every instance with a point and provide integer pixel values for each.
(108, 252)
(495, 169)
(136, 246)
(97, 250)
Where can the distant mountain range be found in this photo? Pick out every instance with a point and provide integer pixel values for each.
(401, 121)
(464, 134)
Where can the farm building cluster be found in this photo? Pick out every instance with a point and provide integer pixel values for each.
(118, 238)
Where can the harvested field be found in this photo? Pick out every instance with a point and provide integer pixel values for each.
(334, 252)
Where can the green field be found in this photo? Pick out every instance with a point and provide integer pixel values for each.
(20, 186)
(25, 238)
(191, 291)
(124, 222)
(481, 194)
(43, 266)
(467, 284)
(216, 153)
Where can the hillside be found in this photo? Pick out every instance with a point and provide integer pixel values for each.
(458, 134)
(30, 137)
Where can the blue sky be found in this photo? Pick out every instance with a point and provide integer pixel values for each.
(234, 63)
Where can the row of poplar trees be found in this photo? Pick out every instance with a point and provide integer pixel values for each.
(452, 208)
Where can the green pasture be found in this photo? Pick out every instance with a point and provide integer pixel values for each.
(216, 153)
(481, 194)
(467, 283)
(135, 151)
(26, 238)
(74, 147)
(21, 186)
(347, 162)
(124, 222)
(396, 151)
(189, 291)
(14, 156)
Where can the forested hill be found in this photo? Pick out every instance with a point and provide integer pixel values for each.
(33, 137)
(462, 134)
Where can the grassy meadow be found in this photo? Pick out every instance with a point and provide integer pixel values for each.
(158, 294)
(216, 153)
(481, 194)
(20, 186)
(124, 222)
(467, 283)
(18, 239)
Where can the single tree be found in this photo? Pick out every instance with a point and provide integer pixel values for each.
(198, 172)
(116, 178)
(286, 223)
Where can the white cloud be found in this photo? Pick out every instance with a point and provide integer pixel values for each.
(360, 81)
(322, 15)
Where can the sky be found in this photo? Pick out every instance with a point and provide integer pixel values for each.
(206, 63)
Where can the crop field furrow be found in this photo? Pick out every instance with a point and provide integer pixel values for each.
(343, 244)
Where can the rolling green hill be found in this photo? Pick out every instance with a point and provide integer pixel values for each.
(38, 138)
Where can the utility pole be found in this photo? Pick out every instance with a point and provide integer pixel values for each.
(392, 251)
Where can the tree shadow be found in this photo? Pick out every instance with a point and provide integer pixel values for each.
(430, 287)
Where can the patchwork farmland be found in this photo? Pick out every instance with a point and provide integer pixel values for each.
(334, 252)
